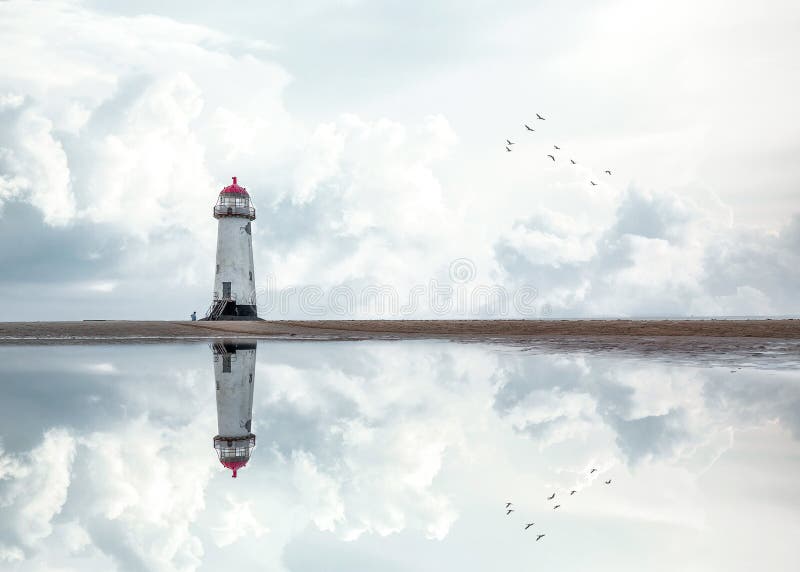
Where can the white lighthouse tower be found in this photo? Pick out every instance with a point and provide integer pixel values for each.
(234, 368)
(234, 281)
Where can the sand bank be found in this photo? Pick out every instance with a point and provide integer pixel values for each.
(113, 331)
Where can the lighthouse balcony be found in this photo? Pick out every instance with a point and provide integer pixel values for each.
(245, 211)
(234, 448)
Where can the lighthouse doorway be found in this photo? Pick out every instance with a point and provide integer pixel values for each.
(226, 290)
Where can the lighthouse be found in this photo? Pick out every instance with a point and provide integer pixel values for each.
(234, 368)
(234, 280)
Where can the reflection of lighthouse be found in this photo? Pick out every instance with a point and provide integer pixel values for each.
(234, 368)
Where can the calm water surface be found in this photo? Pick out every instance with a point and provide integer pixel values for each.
(393, 456)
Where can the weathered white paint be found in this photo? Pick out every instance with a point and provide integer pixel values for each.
(235, 259)
(235, 393)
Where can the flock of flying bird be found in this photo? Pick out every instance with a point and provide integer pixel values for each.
(509, 505)
(527, 525)
(509, 143)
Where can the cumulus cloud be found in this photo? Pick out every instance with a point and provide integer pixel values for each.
(33, 163)
(237, 521)
(34, 492)
(126, 127)
(117, 496)
(358, 432)
(660, 254)
(652, 412)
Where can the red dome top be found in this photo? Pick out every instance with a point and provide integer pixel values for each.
(234, 189)
(234, 466)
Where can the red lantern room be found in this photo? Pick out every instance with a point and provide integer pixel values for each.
(234, 201)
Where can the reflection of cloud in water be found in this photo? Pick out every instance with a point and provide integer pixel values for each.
(357, 442)
(655, 410)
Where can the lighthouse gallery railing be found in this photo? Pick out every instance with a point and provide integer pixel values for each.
(225, 210)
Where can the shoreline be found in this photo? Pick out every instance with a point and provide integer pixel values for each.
(770, 344)
(120, 331)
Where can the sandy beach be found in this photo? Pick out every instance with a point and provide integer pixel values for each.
(113, 331)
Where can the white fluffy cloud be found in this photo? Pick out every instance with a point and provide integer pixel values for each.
(129, 125)
(376, 433)
(659, 254)
(35, 492)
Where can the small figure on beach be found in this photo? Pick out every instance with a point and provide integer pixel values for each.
(194, 316)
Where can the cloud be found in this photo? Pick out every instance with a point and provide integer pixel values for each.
(356, 433)
(120, 156)
(34, 491)
(130, 480)
(651, 412)
(659, 255)
(33, 163)
(238, 521)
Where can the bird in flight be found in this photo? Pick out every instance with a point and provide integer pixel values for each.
(539, 117)
(509, 511)
(553, 158)
(557, 147)
(555, 507)
(608, 482)
(592, 182)
(528, 127)
(572, 493)
(508, 149)
(592, 471)
(510, 142)
(551, 497)
(508, 504)
(527, 526)
(572, 161)
(608, 172)
(538, 538)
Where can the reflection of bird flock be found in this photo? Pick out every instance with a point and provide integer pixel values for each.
(509, 143)
(527, 525)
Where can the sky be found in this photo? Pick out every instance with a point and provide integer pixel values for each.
(397, 456)
(371, 136)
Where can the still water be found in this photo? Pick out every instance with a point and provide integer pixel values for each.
(392, 456)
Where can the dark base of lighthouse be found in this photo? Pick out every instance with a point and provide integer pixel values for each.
(239, 312)
(233, 311)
